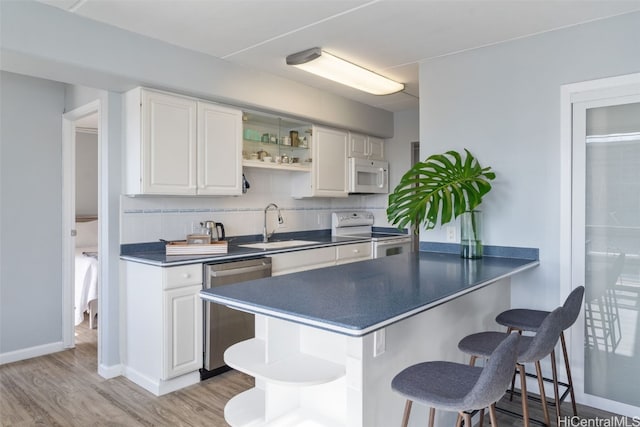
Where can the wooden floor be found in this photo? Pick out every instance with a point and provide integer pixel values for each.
(64, 389)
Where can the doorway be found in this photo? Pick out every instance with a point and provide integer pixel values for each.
(86, 261)
(602, 246)
(81, 269)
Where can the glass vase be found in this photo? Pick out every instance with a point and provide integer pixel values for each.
(471, 235)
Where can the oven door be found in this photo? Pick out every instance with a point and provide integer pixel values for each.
(388, 247)
(368, 176)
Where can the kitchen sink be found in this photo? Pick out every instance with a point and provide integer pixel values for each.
(278, 244)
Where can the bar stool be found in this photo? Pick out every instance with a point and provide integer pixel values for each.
(532, 349)
(458, 387)
(520, 319)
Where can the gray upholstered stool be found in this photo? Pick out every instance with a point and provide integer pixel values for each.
(531, 350)
(521, 319)
(458, 387)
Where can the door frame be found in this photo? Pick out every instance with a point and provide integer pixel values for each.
(68, 215)
(571, 94)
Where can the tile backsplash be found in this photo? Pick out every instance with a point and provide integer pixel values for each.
(149, 218)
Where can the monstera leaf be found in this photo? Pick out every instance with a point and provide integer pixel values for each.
(444, 186)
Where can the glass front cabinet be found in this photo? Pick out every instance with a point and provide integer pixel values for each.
(276, 143)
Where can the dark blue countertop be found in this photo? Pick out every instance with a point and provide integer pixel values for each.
(359, 298)
(154, 253)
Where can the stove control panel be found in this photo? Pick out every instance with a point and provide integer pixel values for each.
(351, 219)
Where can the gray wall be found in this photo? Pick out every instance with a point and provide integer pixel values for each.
(398, 149)
(86, 173)
(30, 212)
(503, 103)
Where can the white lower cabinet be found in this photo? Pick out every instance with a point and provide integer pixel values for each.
(163, 325)
(292, 262)
(183, 331)
(353, 253)
(310, 259)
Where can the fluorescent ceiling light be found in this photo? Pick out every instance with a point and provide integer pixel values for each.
(323, 64)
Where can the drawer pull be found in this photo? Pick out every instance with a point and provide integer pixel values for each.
(186, 275)
(355, 251)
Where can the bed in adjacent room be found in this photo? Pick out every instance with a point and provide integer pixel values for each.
(86, 271)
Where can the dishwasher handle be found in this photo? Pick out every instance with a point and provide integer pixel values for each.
(240, 270)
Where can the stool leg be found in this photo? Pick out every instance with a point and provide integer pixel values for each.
(472, 360)
(481, 417)
(568, 369)
(459, 420)
(492, 415)
(513, 383)
(407, 412)
(543, 397)
(432, 416)
(513, 379)
(525, 405)
(467, 420)
(556, 393)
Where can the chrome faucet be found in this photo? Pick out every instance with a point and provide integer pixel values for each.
(265, 235)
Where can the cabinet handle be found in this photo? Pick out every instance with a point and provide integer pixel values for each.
(355, 251)
(186, 275)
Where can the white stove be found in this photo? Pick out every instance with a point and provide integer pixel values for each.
(360, 224)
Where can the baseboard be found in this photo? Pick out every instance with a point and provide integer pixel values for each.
(158, 386)
(110, 371)
(28, 353)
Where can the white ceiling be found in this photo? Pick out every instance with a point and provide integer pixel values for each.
(390, 37)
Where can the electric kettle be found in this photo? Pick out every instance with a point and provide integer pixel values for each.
(214, 229)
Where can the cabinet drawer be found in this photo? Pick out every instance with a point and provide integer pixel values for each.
(184, 275)
(291, 262)
(355, 252)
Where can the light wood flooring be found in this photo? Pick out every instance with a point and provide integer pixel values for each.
(64, 389)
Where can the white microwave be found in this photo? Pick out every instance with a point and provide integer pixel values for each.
(368, 176)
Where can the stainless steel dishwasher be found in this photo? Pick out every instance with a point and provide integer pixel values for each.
(224, 326)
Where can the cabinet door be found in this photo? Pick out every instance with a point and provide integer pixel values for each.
(168, 144)
(375, 148)
(182, 346)
(357, 145)
(219, 150)
(329, 162)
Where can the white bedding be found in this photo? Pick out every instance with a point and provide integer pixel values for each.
(86, 281)
(86, 271)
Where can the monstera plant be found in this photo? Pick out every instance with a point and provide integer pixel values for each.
(438, 190)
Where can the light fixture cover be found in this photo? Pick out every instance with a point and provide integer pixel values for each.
(323, 64)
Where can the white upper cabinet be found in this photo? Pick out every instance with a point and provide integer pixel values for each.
(376, 148)
(328, 176)
(161, 143)
(219, 150)
(365, 147)
(181, 146)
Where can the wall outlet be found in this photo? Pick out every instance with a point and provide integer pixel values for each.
(451, 233)
(379, 344)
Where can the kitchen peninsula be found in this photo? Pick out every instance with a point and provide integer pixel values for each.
(329, 341)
